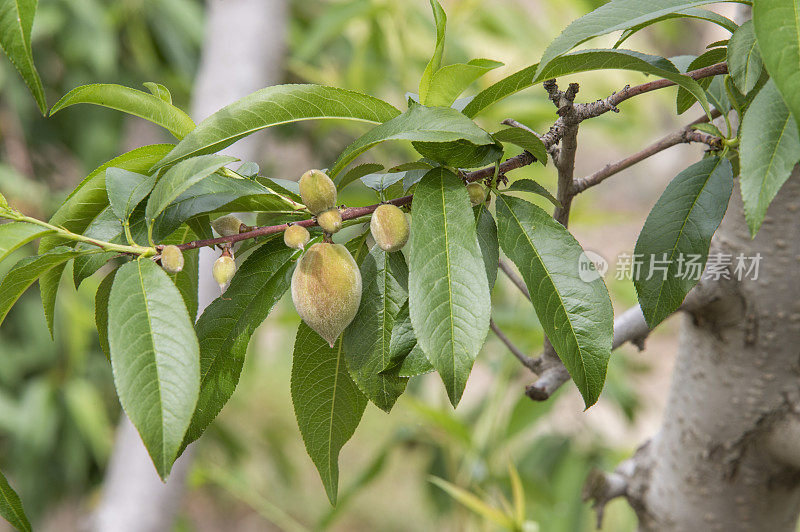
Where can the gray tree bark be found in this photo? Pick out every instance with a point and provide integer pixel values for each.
(243, 52)
(727, 456)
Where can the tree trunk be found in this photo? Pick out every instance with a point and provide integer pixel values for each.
(243, 52)
(727, 456)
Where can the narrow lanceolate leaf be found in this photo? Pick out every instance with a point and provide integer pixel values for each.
(440, 18)
(583, 61)
(575, 314)
(529, 185)
(101, 311)
(280, 104)
(26, 271)
(367, 339)
(226, 326)
(402, 339)
(437, 125)
(777, 28)
(126, 189)
(673, 244)
(155, 358)
(357, 172)
(525, 140)
(692, 12)
(416, 363)
(131, 101)
(684, 99)
(83, 205)
(16, 21)
(769, 149)
(486, 230)
(613, 16)
(327, 403)
(744, 58)
(11, 506)
(187, 280)
(179, 178)
(450, 81)
(157, 89)
(14, 235)
(448, 290)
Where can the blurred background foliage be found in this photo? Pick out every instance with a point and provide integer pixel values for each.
(57, 406)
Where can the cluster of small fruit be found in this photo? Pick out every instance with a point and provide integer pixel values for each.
(326, 284)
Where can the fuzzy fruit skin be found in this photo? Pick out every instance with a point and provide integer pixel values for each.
(223, 270)
(317, 191)
(326, 289)
(389, 227)
(477, 194)
(330, 221)
(171, 259)
(296, 236)
(227, 225)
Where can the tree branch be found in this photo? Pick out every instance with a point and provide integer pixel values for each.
(685, 135)
(526, 361)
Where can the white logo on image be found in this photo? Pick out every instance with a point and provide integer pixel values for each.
(591, 266)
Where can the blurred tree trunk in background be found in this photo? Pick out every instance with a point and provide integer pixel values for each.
(243, 51)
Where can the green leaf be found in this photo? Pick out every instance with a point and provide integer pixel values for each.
(82, 206)
(525, 140)
(679, 230)
(451, 80)
(381, 182)
(777, 28)
(416, 363)
(327, 403)
(227, 324)
(217, 193)
(440, 18)
(529, 185)
(105, 227)
(575, 314)
(357, 172)
(692, 12)
(583, 61)
(367, 339)
(402, 339)
(272, 106)
(769, 150)
(159, 90)
(14, 235)
(155, 358)
(11, 506)
(187, 280)
(610, 17)
(486, 230)
(684, 100)
(744, 58)
(436, 125)
(711, 129)
(475, 504)
(126, 190)
(16, 21)
(131, 101)
(101, 310)
(26, 271)
(180, 177)
(448, 290)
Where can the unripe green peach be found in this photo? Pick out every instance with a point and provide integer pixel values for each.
(330, 221)
(296, 236)
(171, 259)
(317, 191)
(326, 289)
(227, 225)
(389, 227)
(477, 194)
(223, 270)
